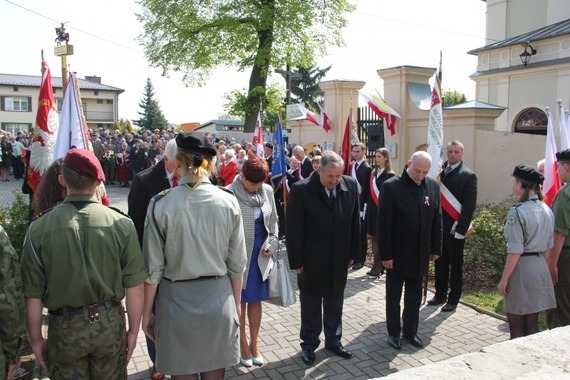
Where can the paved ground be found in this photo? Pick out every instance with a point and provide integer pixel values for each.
(445, 335)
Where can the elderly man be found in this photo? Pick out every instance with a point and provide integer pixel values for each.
(409, 234)
(79, 260)
(306, 167)
(323, 240)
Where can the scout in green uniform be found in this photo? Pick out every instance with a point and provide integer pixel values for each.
(78, 259)
(559, 257)
(12, 309)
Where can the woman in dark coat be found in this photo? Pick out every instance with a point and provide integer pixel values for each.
(6, 163)
(381, 173)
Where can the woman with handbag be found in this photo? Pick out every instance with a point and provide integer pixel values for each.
(260, 225)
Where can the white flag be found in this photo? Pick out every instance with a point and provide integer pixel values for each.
(435, 127)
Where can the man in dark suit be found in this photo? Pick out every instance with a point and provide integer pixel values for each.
(409, 234)
(306, 167)
(145, 185)
(460, 184)
(323, 240)
(360, 170)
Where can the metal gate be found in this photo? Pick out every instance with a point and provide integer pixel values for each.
(370, 130)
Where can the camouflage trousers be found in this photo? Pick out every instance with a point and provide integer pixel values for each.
(561, 315)
(79, 349)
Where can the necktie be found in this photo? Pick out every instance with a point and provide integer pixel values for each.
(174, 182)
(356, 166)
(331, 195)
(448, 169)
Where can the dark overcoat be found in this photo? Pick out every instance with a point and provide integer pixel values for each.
(145, 185)
(409, 224)
(323, 237)
(371, 208)
(462, 183)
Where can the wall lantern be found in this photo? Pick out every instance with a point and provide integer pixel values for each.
(528, 52)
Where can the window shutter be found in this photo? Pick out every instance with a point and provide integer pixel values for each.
(2, 107)
(30, 104)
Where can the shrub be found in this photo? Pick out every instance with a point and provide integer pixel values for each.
(14, 218)
(487, 247)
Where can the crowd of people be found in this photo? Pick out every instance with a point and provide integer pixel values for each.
(194, 254)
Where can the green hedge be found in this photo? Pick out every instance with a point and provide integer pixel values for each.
(14, 219)
(486, 247)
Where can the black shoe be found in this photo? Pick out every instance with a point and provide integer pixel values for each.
(448, 307)
(357, 266)
(340, 351)
(436, 301)
(415, 341)
(308, 357)
(395, 342)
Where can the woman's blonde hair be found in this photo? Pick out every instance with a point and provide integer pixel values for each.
(195, 165)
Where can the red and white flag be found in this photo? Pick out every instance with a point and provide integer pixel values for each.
(381, 109)
(72, 131)
(257, 141)
(324, 120)
(309, 115)
(551, 181)
(42, 146)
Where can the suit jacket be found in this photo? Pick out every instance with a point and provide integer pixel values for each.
(363, 178)
(145, 185)
(306, 167)
(409, 224)
(462, 183)
(322, 236)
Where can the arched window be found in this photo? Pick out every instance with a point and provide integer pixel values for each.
(532, 121)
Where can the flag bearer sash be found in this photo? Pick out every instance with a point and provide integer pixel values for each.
(453, 208)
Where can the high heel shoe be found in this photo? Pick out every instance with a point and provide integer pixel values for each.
(256, 360)
(246, 362)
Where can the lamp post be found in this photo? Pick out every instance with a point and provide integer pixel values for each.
(62, 51)
(528, 52)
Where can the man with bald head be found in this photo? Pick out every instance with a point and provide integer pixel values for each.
(409, 235)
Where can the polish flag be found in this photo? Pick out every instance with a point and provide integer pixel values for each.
(551, 181)
(324, 120)
(310, 116)
(257, 142)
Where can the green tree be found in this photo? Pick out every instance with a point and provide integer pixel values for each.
(306, 89)
(237, 104)
(196, 36)
(451, 97)
(151, 114)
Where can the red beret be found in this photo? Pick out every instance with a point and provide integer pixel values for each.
(84, 162)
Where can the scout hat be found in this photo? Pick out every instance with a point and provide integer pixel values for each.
(528, 174)
(85, 163)
(195, 142)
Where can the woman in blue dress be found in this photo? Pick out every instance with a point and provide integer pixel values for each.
(260, 225)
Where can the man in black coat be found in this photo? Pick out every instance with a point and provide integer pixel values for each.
(409, 235)
(461, 186)
(360, 170)
(146, 184)
(323, 240)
